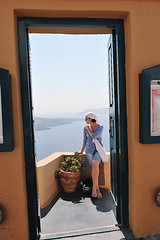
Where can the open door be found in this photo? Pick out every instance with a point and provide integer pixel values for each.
(118, 127)
(36, 193)
(113, 125)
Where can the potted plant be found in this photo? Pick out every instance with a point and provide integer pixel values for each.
(69, 174)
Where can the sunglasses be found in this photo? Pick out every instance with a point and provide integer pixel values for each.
(86, 118)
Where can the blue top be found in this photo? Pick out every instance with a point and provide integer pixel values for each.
(88, 140)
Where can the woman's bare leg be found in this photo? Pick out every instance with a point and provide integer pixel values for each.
(95, 174)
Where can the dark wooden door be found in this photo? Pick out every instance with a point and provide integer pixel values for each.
(113, 121)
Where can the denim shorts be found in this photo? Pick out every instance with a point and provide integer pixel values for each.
(93, 156)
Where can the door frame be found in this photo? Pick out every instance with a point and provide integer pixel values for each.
(26, 101)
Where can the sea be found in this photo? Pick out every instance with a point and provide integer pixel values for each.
(67, 137)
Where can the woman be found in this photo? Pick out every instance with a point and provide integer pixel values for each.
(91, 132)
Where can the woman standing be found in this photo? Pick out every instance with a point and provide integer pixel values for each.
(91, 132)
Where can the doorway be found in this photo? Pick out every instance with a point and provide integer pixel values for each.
(69, 75)
(121, 204)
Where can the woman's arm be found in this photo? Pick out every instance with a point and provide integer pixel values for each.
(84, 143)
(89, 130)
(82, 150)
(98, 132)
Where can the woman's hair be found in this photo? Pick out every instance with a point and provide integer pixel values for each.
(93, 120)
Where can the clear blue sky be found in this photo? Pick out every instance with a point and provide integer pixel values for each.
(69, 73)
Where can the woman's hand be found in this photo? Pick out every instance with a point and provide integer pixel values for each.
(89, 130)
(77, 152)
(81, 152)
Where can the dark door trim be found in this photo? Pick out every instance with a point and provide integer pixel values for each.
(26, 100)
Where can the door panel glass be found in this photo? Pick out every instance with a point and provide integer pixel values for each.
(110, 76)
(111, 126)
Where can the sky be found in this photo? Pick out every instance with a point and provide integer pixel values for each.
(69, 73)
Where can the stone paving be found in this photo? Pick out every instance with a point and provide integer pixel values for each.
(155, 236)
(117, 235)
(78, 211)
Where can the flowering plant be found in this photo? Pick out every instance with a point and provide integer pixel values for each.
(70, 164)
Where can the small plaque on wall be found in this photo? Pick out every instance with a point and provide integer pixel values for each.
(155, 107)
(6, 130)
(1, 126)
(149, 105)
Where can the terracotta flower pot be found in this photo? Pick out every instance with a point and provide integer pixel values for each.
(69, 180)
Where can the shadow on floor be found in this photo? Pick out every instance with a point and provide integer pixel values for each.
(127, 233)
(102, 204)
(46, 210)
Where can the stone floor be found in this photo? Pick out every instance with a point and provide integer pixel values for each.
(79, 216)
(155, 236)
(115, 235)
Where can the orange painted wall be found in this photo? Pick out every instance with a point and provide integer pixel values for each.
(12, 177)
(142, 20)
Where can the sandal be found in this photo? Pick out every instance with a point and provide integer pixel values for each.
(94, 194)
(99, 195)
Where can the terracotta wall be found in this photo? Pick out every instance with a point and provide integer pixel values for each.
(142, 35)
(142, 51)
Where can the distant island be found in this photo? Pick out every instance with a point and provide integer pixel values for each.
(41, 123)
(46, 123)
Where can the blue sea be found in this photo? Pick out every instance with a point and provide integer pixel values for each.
(66, 138)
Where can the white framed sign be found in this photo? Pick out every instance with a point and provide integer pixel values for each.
(1, 124)
(155, 108)
(6, 122)
(149, 105)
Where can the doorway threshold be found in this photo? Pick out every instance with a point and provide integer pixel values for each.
(80, 232)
